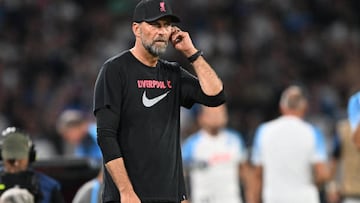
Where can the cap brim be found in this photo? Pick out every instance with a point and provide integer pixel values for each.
(174, 18)
(15, 155)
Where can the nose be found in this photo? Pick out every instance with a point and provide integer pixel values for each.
(162, 30)
(16, 163)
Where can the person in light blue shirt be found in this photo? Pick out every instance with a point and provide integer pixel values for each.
(354, 117)
(88, 147)
(79, 135)
(215, 157)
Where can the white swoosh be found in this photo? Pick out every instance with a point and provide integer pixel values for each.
(151, 102)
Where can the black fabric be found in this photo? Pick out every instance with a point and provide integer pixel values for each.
(56, 196)
(191, 92)
(107, 125)
(337, 148)
(152, 10)
(25, 179)
(147, 102)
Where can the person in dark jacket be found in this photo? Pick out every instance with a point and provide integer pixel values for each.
(17, 154)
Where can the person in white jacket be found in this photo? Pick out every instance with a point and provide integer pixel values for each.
(289, 155)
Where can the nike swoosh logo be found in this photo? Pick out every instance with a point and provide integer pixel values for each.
(151, 102)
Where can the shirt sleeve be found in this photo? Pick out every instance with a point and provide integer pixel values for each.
(256, 155)
(107, 128)
(353, 110)
(191, 92)
(242, 148)
(188, 148)
(320, 153)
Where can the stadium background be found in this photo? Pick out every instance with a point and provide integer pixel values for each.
(51, 51)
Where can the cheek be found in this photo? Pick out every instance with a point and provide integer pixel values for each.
(144, 36)
(21, 166)
(24, 166)
(144, 32)
(168, 36)
(168, 32)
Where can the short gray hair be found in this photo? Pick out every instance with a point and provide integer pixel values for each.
(293, 98)
(70, 118)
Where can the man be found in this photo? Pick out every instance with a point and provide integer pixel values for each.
(17, 152)
(354, 117)
(79, 136)
(289, 155)
(137, 103)
(216, 159)
(345, 184)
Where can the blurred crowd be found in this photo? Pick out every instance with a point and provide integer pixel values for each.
(51, 51)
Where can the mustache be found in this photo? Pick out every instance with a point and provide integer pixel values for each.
(161, 40)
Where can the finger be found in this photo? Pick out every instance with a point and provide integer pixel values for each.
(176, 38)
(175, 29)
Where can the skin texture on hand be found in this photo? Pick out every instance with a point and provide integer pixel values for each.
(182, 42)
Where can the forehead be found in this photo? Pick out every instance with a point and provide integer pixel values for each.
(163, 20)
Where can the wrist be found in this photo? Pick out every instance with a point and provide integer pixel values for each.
(195, 56)
(126, 189)
(188, 52)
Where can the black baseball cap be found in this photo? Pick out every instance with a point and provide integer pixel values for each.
(152, 10)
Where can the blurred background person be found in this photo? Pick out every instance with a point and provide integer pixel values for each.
(17, 195)
(345, 184)
(50, 55)
(354, 117)
(215, 159)
(289, 155)
(79, 136)
(17, 153)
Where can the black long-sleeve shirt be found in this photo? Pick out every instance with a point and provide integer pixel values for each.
(145, 123)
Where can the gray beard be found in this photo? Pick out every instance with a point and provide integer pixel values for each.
(154, 51)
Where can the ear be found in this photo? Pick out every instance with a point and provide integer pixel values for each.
(136, 29)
